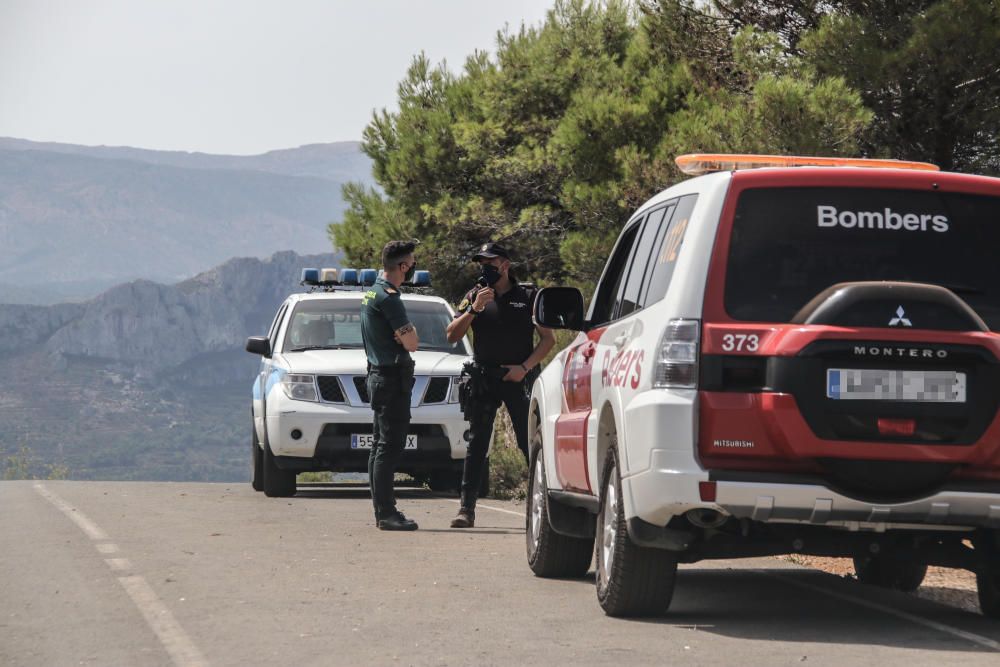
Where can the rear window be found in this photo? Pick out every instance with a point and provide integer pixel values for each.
(789, 244)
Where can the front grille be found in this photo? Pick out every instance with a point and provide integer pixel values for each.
(437, 390)
(361, 384)
(329, 389)
(422, 430)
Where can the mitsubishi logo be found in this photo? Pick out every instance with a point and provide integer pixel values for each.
(900, 319)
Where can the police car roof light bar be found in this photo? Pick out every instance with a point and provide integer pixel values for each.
(309, 277)
(697, 164)
(349, 277)
(420, 279)
(368, 277)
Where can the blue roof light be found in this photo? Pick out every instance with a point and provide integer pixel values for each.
(349, 277)
(368, 277)
(421, 279)
(310, 276)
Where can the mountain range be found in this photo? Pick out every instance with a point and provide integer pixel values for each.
(146, 380)
(76, 220)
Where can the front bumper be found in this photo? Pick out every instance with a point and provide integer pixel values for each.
(326, 428)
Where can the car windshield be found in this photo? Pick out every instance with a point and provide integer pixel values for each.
(335, 324)
(789, 244)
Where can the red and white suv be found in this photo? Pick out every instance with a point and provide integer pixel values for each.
(778, 359)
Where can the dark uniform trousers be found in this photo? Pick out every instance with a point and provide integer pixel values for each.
(389, 390)
(515, 396)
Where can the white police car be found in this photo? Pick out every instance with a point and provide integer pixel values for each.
(310, 405)
(782, 355)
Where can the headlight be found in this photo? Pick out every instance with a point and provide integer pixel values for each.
(299, 387)
(453, 392)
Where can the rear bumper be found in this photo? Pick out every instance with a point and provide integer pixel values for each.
(670, 487)
(819, 505)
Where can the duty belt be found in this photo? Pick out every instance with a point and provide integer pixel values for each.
(392, 369)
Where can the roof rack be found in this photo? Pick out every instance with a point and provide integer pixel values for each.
(697, 164)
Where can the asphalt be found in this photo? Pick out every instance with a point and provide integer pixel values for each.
(100, 573)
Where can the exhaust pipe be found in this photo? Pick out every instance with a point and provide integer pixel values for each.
(706, 518)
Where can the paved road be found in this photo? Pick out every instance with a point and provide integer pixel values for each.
(190, 574)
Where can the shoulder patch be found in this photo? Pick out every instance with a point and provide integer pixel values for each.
(465, 304)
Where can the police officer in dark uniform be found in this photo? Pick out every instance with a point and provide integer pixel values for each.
(505, 365)
(389, 337)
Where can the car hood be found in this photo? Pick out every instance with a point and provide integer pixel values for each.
(355, 362)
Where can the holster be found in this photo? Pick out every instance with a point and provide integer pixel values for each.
(474, 393)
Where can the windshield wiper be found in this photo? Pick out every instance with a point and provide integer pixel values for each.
(306, 348)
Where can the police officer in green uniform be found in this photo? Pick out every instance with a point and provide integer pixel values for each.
(505, 362)
(389, 337)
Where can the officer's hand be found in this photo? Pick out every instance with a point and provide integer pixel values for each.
(514, 373)
(395, 334)
(483, 297)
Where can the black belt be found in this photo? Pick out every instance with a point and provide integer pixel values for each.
(493, 370)
(391, 369)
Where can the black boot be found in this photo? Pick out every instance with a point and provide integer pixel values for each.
(397, 521)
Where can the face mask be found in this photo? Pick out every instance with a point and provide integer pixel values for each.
(491, 274)
(408, 276)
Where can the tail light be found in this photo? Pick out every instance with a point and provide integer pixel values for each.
(677, 356)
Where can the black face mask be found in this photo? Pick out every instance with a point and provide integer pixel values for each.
(491, 274)
(408, 276)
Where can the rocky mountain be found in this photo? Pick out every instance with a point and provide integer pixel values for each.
(147, 380)
(75, 220)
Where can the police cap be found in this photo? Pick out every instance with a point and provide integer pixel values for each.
(490, 250)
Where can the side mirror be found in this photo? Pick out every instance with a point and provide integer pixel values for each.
(559, 308)
(259, 345)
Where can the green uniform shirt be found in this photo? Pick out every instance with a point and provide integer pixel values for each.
(382, 313)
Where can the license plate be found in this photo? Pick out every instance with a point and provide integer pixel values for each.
(365, 441)
(888, 385)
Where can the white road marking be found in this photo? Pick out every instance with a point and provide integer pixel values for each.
(171, 634)
(118, 564)
(178, 645)
(487, 507)
(913, 618)
(86, 525)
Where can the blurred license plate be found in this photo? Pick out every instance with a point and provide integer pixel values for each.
(885, 385)
(365, 440)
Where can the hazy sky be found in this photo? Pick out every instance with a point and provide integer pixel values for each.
(224, 76)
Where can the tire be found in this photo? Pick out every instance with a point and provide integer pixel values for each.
(988, 578)
(257, 465)
(631, 580)
(893, 573)
(278, 483)
(549, 553)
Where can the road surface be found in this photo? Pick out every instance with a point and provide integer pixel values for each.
(100, 573)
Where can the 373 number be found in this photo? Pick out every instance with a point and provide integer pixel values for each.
(740, 343)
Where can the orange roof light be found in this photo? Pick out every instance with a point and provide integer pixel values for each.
(697, 164)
